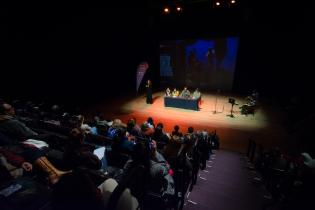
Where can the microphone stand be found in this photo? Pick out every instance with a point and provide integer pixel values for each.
(216, 101)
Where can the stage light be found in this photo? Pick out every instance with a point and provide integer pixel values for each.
(179, 9)
(217, 3)
(232, 1)
(166, 10)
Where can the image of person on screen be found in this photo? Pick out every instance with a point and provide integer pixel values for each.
(149, 92)
(212, 59)
(192, 60)
(168, 92)
(185, 93)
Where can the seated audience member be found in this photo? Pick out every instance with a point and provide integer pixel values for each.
(55, 113)
(117, 124)
(77, 191)
(10, 161)
(172, 148)
(161, 180)
(99, 119)
(126, 144)
(17, 131)
(159, 135)
(116, 156)
(191, 133)
(196, 94)
(83, 126)
(140, 156)
(77, 154)
(168, 92)
(150, 122)
(133, 128)
(146, 130)
(27, 157)
(11, 126)
(175, 93)
(308, 160)
(176, 132)
(185, 93)
(122, 142)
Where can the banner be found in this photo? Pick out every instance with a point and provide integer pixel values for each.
(142, 68)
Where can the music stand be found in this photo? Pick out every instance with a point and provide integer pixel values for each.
(232, 102)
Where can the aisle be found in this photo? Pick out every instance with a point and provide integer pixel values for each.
(224, 185)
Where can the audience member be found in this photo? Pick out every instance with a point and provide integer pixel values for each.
(78, 155)
(11, 126)
(133, 128)
(176, 132)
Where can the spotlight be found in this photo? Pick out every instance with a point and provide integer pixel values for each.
(179, 9)
(232, 1)
(166, 10)
(217, 3)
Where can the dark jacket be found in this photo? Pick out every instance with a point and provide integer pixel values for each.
(14, 128)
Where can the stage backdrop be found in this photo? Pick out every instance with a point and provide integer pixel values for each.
(203, 63)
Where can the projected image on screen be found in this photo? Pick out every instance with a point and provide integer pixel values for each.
(203, 63)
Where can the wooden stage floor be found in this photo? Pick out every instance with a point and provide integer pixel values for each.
(265, 126)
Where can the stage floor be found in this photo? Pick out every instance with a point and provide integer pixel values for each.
(265, 126)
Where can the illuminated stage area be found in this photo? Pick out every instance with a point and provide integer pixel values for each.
(264, 125)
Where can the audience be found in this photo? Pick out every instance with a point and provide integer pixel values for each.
(131, 146)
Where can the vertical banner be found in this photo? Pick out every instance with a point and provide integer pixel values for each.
(142, 68)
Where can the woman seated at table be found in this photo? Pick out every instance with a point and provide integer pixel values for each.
(175, 93)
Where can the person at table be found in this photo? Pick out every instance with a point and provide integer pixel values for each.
(168, 92)
(185, 93)
(196, 94)
(175, 93)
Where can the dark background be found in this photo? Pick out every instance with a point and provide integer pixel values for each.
(88, 54)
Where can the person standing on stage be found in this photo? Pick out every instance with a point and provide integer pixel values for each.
(149, 92)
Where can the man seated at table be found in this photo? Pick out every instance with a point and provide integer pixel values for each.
(196, 94)
(175, 93)
(185, 93)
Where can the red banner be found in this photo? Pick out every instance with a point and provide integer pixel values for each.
(142, 68)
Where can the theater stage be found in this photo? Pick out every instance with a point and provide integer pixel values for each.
(265, 126)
